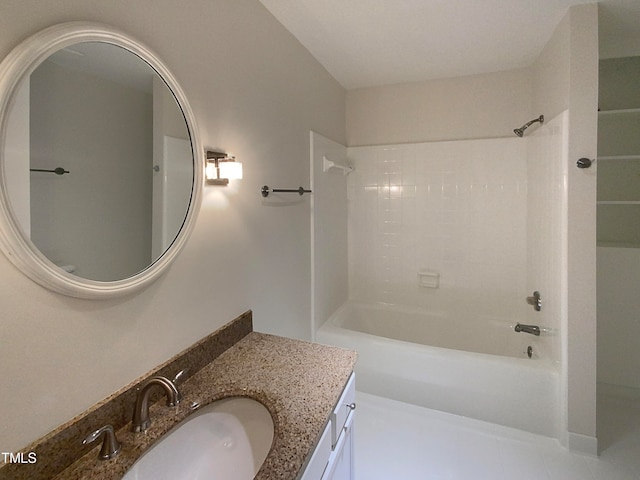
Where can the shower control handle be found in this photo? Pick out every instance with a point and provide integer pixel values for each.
(535, 301)
(584, 163)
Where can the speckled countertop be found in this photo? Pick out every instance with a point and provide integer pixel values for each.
(299, 382)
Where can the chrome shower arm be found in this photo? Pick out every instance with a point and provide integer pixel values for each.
(520, 131)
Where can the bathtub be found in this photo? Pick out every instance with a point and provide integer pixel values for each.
(477, 369)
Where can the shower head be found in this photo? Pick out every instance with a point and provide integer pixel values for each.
(520, 131)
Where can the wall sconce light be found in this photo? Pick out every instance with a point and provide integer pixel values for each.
(220, 168)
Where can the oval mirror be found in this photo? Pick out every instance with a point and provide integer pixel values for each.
(100, 171)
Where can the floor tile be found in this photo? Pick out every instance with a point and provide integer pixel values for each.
(395, 440)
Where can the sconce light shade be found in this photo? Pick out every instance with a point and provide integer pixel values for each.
(220, 168)
(211, 171)
(231, 170)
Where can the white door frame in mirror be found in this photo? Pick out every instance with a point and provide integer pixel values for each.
(14, 243)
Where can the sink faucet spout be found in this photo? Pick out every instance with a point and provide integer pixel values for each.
(141, 420)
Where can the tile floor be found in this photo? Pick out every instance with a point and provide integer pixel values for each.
(399, 441)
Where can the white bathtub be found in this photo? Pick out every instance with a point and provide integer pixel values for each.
(478, 369)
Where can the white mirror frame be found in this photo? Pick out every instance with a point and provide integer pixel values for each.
(17, 247)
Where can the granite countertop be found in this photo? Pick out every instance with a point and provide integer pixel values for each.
(299, 383)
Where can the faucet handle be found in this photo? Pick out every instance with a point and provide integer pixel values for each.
(110, 444)
(535, 301)
(179, 378)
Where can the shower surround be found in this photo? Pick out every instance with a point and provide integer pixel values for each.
(487, 215)
(458, 233)
(458, 209)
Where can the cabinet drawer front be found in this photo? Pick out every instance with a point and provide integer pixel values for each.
(340, 413)
(340, 466)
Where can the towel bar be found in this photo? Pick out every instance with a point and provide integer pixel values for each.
(266, 191)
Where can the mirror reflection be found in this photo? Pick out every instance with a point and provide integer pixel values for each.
(98, 161)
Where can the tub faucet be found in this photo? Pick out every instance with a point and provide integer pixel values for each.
(141, 420)
(532, 329)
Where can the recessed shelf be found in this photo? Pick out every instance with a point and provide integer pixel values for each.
(618, 204)
(619, 157)
(621, 111)
(618, 245)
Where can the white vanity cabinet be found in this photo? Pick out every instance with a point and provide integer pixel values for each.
(333, 457)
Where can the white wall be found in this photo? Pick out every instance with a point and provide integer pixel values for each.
(550, 72)
(618, 326)
(65, 128)
(329, 249)
(478, 106)
(581, 237)
(566, 78)
(256, 93)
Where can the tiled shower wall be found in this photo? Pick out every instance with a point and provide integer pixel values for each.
(456, 208)
(547, 171)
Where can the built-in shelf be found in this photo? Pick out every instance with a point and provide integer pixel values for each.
(619, 157)
(619, 178)
(617, 245)
(621, 111)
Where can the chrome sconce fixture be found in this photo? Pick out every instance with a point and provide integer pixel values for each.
(220, 168)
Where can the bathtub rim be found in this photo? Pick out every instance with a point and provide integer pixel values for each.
(333, 325)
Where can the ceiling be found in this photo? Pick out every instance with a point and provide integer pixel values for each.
(108, 62)
(380, 42)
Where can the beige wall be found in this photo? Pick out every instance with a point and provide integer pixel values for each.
(619, 83)
(581, 216)
(329, 250)
(256, 93)
(550, 94)
(566, 77)
(478, 106)
(64, 128)
(618, 312)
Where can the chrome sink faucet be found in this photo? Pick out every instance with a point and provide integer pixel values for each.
(141, 420)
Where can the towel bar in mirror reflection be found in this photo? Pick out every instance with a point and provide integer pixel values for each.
(118, 220)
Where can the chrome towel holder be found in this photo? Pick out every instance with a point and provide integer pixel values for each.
(266, 190)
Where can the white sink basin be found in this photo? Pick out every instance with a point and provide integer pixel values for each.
(225, 440)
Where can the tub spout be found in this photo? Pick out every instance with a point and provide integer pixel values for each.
(532, 329)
